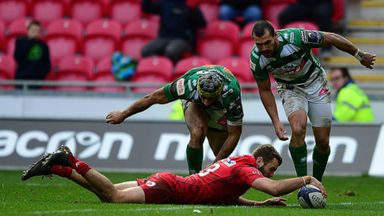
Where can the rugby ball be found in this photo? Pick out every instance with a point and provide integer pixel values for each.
(310, 196)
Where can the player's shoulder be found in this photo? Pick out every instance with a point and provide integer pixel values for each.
(290, 35)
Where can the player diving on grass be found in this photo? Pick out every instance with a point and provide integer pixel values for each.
(212, 107)
(286, 55)
(221, 183)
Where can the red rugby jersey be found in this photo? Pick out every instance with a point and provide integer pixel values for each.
(222, 182)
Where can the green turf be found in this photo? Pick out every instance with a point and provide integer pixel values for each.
(57, 196)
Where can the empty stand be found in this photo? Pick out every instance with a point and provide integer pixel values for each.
(125, 11)
(102, 38)
(16, 28)
(64, 38)
(74, 68)
(186, 64)
(220, 40)
(47, 11)
(7, 70)
(137, 34)
(246, 42)
(88, 10)
(153, 69)
(272, 9)
(2, 35)
(239, 67)
(11, 10)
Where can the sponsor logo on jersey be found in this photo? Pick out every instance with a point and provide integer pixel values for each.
(180, 87)
(311, 37)
(150, 183)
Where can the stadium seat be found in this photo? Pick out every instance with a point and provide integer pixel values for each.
(272, 9)
(2, 35)
(210, 10)
(338, 10)
(64, 38)
(102, 38)
(304, 25)
(188, 63)
(137, 34)
(103, 73)
(153, 69)
(47, 11)
(88, 10)
(11, 10)
(219, 40)
(125, 11)
(246, 42)
(74, 68)
(239, 67)
(16, 28)
(7, 70)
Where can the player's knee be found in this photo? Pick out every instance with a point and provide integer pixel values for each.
(198, 135)
(298, 130)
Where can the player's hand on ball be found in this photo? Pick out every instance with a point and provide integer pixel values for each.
(318, 184)
(275, 201)
(115, 117)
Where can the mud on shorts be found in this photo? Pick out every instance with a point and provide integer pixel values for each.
(216, 118)
(313, 97)
(158, 188)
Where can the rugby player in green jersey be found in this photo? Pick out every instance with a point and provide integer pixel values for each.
(212, 109)
(286, 55)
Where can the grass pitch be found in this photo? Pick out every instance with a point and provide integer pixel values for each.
(58, 196)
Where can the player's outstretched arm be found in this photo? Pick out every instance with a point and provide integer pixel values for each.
(340, 42)
(156, 97)
(285, 186)
(274, 201)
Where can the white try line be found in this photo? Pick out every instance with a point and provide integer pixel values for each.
(176, 208)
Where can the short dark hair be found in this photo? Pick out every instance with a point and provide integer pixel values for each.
(344, 72)
(268, 153)
(34, 22)
(260, 27)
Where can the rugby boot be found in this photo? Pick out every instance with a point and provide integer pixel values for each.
(37, 169)
(62, 156)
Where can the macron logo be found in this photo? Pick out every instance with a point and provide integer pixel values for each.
(180, 86)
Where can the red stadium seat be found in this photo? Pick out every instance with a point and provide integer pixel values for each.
(137, 34)
(2, 35)
(154, 69)
(125, 11)
(102, 38)
(16, 28)
(47, 11)
(74, 68)
(7, 70)
(272, 9)
(104, 74)
(88, 10)
(239, 67)
(220, 40)
(304, 25)
(64, 38)
(210, 10)
(186, 64)
(11, 10)
(338, 10)
(246, 41)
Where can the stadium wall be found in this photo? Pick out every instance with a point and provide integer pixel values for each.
(90, 107)
(160, 145)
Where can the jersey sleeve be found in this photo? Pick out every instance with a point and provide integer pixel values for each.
(258, 72)
(235, 112)
(311, 38)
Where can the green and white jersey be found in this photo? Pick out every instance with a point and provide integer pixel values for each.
(294, 62)
(229, 101)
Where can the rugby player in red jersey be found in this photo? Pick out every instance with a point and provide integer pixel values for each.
(221, 183)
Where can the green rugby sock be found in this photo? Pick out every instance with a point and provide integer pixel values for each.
(320, 161)
(299, 157)
(194, 159)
